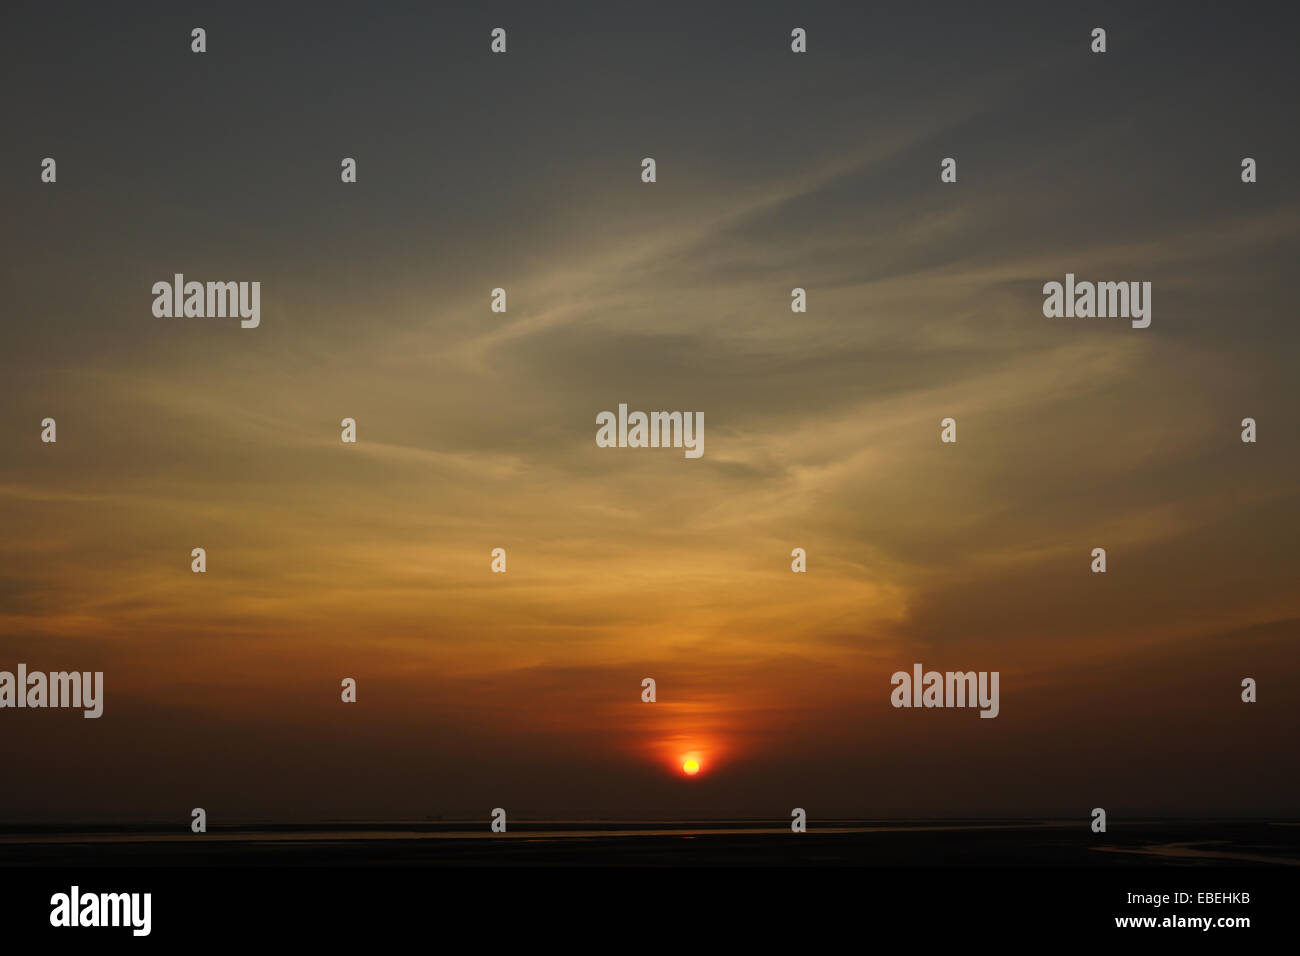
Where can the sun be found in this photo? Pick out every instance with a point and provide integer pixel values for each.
(691, 766)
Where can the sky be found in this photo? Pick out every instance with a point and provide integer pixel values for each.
(476, 429)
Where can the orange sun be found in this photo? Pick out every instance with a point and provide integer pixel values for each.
(691, 766)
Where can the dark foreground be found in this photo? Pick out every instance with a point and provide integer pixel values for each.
(749, 843)
(603, 887)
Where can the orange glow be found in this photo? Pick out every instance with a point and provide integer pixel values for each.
(688, 755)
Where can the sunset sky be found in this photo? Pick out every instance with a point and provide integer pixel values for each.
(476, 430)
